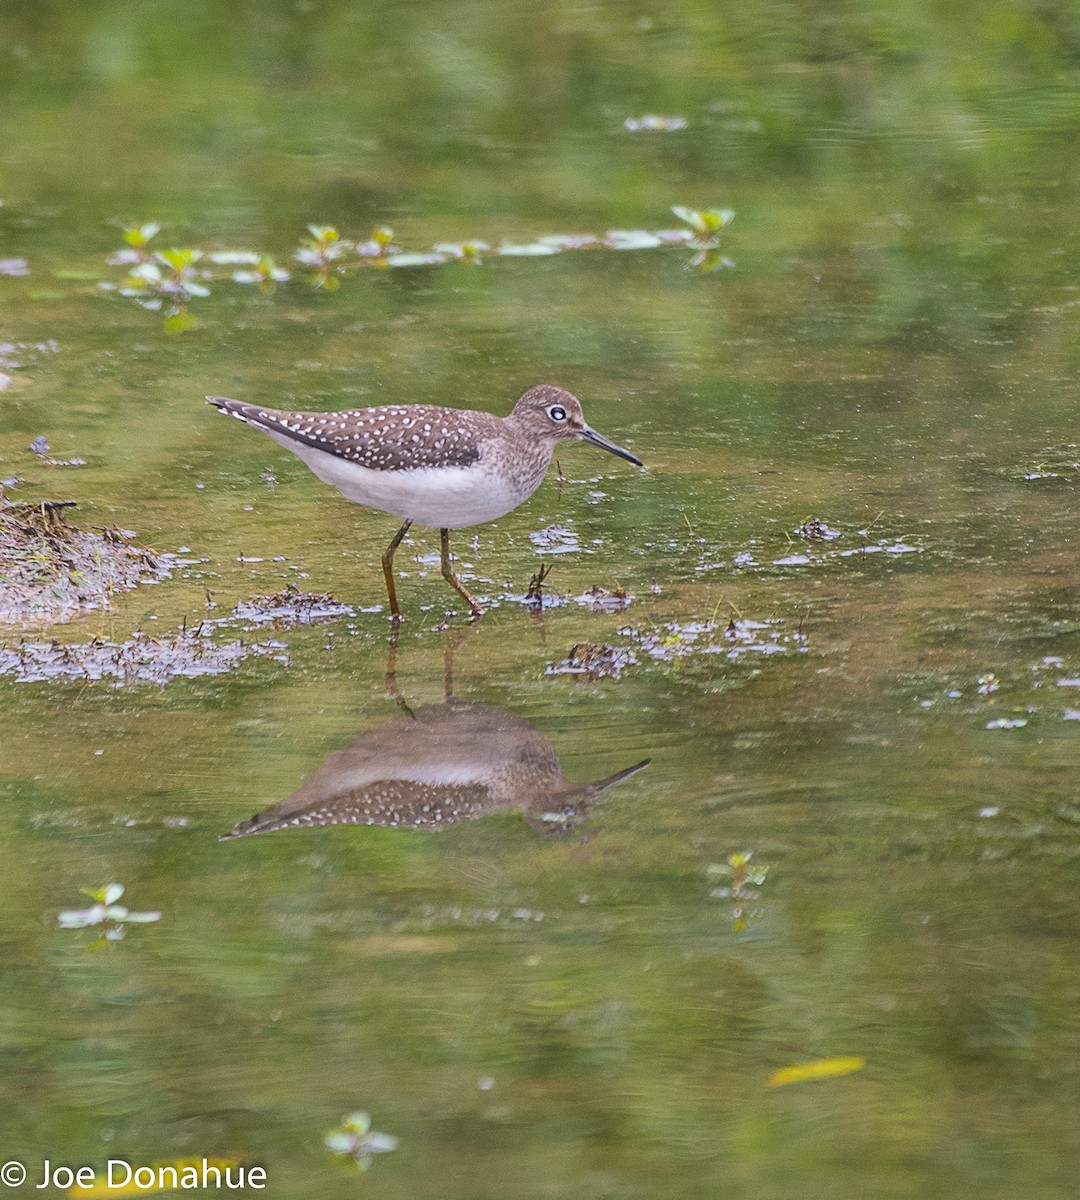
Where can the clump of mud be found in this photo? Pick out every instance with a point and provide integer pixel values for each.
(51, 571)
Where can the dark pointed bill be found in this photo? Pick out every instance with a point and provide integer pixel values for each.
(598, 439)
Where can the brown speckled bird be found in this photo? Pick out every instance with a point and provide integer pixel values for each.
(441, 467)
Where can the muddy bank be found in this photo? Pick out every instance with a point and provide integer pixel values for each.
(52, 571)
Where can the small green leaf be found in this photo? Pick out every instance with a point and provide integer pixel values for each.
(324, 235)
(179, 260)
(180, 322)
(716, 218)
(139, 235)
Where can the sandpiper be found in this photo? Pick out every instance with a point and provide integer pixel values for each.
(441, 467)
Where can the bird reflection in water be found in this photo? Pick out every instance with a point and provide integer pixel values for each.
(439, 764)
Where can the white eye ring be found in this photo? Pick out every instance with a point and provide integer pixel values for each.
(556, 413)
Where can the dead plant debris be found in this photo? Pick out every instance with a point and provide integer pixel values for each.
(290, 607)
(594, 660)
(188, 653)
(51, 571)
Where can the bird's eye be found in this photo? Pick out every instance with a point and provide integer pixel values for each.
(557, 414)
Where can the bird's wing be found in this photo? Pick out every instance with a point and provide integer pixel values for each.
(392, 437)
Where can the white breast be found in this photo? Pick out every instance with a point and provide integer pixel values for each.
(439, 497)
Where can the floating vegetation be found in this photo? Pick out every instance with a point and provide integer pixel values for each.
(988, 684)
(1055, 464)
(40, 447)
(742, 888)
(166, 280)
(1001, 703)
(678, 640)
(106, 912)
(188, 654)
(291, 607)
(706, 225)
(1060, 462)
(593, 660)
(820, 1068)
(651, 123)
(815, 530)
(51, 571)
(355, 1139)
(15, 355)
(556, 539)
(600, 599)
(892, 546)
(454, 914)
(469, 252)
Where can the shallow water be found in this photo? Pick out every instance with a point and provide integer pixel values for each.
(887, 721)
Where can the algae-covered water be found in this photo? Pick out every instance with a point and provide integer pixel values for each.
(838, 610)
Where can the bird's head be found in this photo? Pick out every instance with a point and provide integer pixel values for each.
(555, 415)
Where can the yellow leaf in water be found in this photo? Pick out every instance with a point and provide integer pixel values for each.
(820, 1068)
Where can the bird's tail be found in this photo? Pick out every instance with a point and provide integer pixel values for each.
(235, 408)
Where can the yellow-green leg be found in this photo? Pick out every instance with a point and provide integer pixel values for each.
(452, 579)
(388, 571)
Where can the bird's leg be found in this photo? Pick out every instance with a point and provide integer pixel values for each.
(388, 571)
(452, 579)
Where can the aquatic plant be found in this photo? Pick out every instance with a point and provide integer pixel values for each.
(167, 280)
(706, 223)
(355, 1139)
(742, 889)
(106, 912)
(164, 279)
